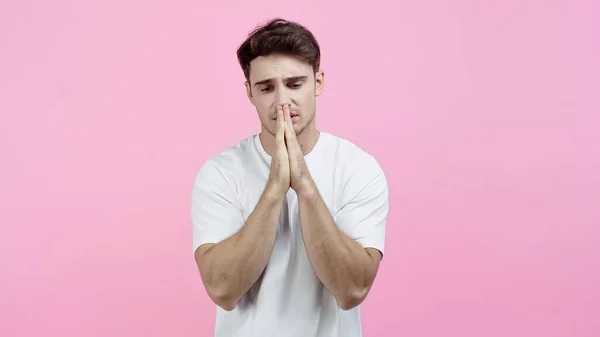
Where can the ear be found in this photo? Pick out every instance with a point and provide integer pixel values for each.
(319, 82)
(249, 92)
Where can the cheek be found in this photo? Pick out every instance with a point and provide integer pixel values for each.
(261, 105)
(264, 112)
(307, 101)
(263, 101)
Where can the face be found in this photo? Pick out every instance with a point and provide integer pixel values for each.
(279, 79)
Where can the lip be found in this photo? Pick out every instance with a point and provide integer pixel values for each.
(292, 115)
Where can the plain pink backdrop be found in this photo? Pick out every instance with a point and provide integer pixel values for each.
(485, 116)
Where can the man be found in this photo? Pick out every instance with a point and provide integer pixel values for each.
(289, 224)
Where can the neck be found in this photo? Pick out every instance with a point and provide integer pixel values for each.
(307, 139)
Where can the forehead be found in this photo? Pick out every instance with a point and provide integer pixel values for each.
(277, 67)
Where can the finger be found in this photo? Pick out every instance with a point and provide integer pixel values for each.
(290, 133)
(287, 122)
(280, 131)
(287, 116)
(286, 113)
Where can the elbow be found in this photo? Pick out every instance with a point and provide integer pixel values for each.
(225, 303)
(223, 298)
(352, 299)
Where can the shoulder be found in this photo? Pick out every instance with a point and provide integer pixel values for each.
(352, 157)
(357, 170)
(227, 164)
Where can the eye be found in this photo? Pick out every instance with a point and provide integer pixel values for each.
(265, 89)
(295, 85)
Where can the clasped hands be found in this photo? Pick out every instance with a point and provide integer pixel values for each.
(288, 168)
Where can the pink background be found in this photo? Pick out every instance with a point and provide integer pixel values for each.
(484, 114)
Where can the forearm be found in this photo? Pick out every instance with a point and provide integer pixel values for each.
(233, 265)
(341, 263)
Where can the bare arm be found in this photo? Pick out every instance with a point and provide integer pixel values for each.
(345, 267)
(230, 267)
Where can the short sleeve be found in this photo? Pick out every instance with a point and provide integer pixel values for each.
(363, 217)
(214, 210)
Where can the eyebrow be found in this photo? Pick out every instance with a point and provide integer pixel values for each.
(289, 79)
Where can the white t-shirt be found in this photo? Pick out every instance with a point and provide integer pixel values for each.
(289, 299)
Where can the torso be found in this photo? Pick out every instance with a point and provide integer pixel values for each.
(289, 297)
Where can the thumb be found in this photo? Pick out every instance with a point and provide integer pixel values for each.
(290, 135)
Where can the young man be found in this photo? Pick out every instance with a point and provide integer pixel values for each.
(289, 224)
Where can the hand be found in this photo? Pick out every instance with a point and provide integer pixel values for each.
(279, 177)
(300, 179)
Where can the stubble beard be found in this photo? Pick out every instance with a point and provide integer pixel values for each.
(298, 133)
(272, 132)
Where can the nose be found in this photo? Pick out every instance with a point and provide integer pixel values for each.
(282, 97)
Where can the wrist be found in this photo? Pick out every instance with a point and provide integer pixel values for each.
(307, 189)
(274, 192)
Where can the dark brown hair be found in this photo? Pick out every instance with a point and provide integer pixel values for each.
(279, 36)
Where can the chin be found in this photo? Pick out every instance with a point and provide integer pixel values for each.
(298, 129)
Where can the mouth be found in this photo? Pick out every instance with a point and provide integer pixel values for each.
(292, 115)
